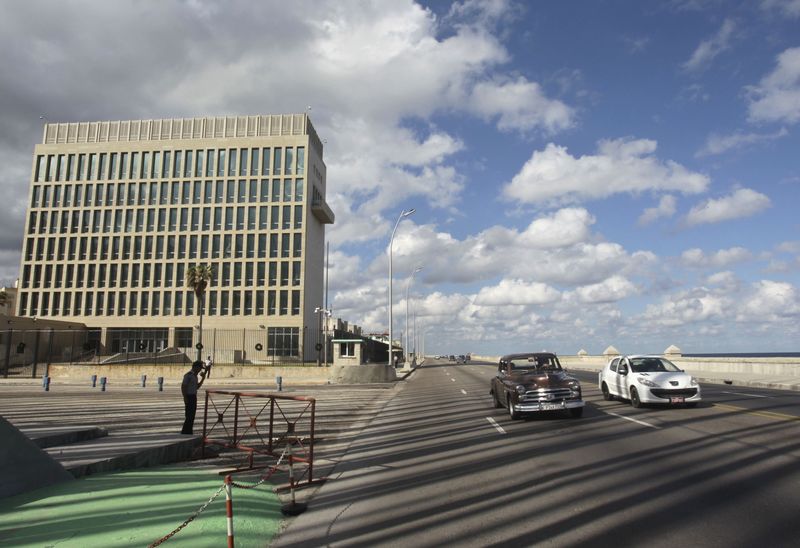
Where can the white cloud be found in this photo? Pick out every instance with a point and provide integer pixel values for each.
(790, 8)
(556, 248)
(777, 97)
(620, 166)
(509, 292)
(565, 227)
(520, 105)
(711, 48)
(718, 144)
(612, 289)
(696, 258)
(666, 208)
(744, 202)
(725, 279)
(771, 300)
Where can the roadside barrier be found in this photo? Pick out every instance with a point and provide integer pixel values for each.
(226, 486)
(258, 423)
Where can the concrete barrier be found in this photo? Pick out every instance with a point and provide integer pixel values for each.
(174, 373)
(362, 374)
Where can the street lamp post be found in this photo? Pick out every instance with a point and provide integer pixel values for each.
(408, 286)
(404, 213)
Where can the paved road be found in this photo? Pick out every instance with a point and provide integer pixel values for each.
(439, 466)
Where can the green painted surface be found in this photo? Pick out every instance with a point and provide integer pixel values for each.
(135, 508)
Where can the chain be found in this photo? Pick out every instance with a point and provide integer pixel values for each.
(265, 477)
(188, 520)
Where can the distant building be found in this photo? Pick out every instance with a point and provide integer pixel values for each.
(119, 210)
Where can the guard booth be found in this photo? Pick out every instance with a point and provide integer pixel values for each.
(348, 352)
(350, 366)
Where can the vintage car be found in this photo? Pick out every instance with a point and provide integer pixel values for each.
(648, 379)
(535, 382)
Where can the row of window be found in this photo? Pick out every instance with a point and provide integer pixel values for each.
(165, 193)
(237, 274)
(173, 219)
(180, 247)
(160, 303)
(164, 164)
(280, 341)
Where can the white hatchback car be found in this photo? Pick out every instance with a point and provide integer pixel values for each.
(648, 379)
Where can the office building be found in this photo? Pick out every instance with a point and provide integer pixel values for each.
(119, 210)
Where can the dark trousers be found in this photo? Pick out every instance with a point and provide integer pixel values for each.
(190, 407)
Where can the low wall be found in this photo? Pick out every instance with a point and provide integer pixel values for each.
(774, 367)
(175, 372)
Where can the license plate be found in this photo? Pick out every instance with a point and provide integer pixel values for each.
(677, 399)
(551, 407)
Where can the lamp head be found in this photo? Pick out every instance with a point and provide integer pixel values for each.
(407, 212)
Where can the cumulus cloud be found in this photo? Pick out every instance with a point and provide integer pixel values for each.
(612, 289)
(520, 105)
(696, 258)
(777, 97)
(744, 202)
(557, 248)
(709, 49)
(719, 144)
(790, 8)
(620, 166)
(509, 292)
(666, 208)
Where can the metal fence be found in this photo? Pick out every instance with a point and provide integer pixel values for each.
(28, 352)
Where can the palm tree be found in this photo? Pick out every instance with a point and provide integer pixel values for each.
(198, 277)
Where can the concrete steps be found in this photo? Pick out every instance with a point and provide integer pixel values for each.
(51, 436)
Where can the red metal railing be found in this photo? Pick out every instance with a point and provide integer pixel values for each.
(239, 425)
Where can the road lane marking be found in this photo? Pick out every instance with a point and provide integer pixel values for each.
(453, 380)
(766, 414)
(463, 391)
(635, 420)
(496, 426)
(744, 394)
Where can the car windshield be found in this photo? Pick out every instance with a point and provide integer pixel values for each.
(539, 363)
(652, 365)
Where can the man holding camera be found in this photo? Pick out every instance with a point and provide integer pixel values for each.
(189, 388)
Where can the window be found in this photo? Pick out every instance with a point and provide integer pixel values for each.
(266, 157)
(298, 190)
(276, 161)
(301, 160)
(298, 216)
(347, 349)
(183, 337)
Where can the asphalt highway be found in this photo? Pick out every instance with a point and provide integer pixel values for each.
(439, 466)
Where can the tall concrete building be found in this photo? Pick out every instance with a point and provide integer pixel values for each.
(119, 210)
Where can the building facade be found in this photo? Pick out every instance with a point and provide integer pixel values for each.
(119, 210)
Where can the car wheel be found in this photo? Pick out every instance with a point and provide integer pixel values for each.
(635, 401)
(496, 401)
(576, 412)
(606, 394)
(513, 413)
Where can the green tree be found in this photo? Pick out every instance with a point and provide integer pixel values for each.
(198, 277)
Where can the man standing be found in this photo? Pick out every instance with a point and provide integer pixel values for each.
(208, 364)
(189, 388)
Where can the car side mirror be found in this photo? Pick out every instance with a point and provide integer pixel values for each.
(623, 370)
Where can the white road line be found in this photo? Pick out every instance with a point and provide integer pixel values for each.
(453, 380)
(743, 394)
(496, 426)
(463, 391)
(635, 420)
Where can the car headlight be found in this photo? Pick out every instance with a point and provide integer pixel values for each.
(693, 382)
(646, 382)
(521, 389)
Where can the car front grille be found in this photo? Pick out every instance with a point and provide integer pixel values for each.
(667, 392)
(546, 395)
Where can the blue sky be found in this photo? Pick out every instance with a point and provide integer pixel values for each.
(585, 174)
